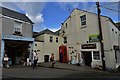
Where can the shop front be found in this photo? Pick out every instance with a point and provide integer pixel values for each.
(91, 54)
(17, 48)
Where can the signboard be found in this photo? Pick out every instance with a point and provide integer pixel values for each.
(88, 46)
(13, 37)
(94, 38)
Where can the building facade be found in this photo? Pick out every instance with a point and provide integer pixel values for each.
(80, 32)
(46, 43)
(17, 32)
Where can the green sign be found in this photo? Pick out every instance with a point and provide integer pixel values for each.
(94, 38)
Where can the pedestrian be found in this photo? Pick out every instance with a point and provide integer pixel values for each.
(61, 56)
(52, 60)
(6, 61)
(35, 58)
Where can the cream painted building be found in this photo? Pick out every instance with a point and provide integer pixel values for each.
(80, 32)
(46, 43)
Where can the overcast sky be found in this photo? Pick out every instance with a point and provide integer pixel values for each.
(50, 15)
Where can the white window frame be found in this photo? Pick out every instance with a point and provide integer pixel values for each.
(16, 26)
(93, 56)
(83, 20)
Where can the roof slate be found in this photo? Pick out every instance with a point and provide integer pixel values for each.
(13, 14)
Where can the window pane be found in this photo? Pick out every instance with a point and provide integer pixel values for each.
(83, 23)
(83, 17)
(96, 55)
(51, 39)
(57, 39)
(18, 27)
(65, 39)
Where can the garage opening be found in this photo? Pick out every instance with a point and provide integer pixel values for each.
(87, 57)
(17, 51)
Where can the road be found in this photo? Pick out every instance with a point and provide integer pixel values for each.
(42, 72)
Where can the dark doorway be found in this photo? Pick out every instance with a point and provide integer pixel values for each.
(46, 58)
(16, 51)
(87, 58)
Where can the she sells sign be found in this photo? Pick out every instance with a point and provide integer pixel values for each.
(94, 38)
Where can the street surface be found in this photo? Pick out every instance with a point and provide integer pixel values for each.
(42, 72)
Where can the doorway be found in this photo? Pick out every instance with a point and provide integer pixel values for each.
(17, 51)
(87, 57)
(46, 58)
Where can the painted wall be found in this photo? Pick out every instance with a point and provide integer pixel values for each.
(47, 48)
(78, 34)
(8, 28)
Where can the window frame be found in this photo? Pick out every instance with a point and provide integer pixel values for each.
(83, 20)
(16, 26)
(65, 40)
(93, 54)
(57, 40)
(51, 39)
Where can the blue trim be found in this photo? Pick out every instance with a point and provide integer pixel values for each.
(13, 37)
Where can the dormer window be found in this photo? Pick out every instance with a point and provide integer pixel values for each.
(17, 28)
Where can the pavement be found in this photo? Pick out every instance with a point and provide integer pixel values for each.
(67, 66)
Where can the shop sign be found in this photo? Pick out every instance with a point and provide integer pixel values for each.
(13, 37)
(94, 38)
(88, 46)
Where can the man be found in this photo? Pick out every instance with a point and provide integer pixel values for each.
(35, 58)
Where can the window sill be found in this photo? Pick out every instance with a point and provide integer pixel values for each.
(83, 27)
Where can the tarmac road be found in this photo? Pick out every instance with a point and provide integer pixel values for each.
(42, 72)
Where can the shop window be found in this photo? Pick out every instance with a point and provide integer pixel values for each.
(17, 28)
(65, 40)
(56, 39)
(51, 39)
(83, 20)
(96, 55)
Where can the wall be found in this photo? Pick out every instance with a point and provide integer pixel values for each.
(46, 47)
(78, 34)
(40, 47)
(8, 28)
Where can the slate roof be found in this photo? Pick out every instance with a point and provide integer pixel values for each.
(46, 31)
(13, 14)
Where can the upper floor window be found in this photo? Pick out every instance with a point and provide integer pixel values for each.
(56, 39)
(65, 40)
(51, 39)
(66, 24)
(17, 28)
(83, 20)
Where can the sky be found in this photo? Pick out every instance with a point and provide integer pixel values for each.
(50, 15)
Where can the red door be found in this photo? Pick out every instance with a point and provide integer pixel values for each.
(63, 54)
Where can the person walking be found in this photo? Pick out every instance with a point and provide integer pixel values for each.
(52, 60)
(6, 61)
(35, 58)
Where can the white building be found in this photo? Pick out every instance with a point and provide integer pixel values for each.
(81, 35)
(46, 43)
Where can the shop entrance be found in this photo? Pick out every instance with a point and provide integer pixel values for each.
(17, 51)
(87, 57)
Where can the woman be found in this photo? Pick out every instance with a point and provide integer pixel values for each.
(52, 60)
